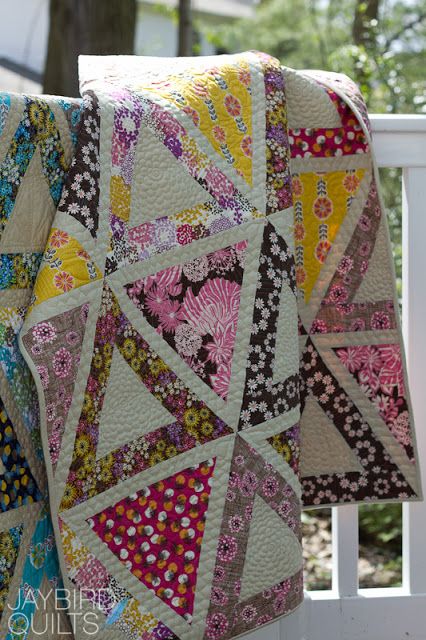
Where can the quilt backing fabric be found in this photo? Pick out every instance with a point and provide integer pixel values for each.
(213, 333)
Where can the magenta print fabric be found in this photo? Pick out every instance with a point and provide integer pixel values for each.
(170, 514)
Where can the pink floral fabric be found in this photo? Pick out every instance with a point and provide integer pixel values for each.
(55, 346)
(378, 370)
(195, 308)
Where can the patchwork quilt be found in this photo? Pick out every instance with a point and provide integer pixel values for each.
(213, 333)
(37, 137)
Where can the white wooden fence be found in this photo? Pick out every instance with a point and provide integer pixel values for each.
(347, 612)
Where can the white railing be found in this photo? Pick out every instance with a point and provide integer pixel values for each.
(346, 612)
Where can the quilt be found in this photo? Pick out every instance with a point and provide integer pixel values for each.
(37, 137)
(215, 341)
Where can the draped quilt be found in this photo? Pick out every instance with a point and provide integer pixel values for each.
(37, 137)
(213, 333)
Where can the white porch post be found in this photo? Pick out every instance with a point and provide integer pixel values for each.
(414, 327)
(345, 550)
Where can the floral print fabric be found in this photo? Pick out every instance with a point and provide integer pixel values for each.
(379, 476)
(194, 422)
(250, 476)
(163, 335)
(321, 142)
(321, 203)
(217, 100)
(65, 266)
(378, 370)
(37, 129)
(195, 307)
(36, 137)
(9, 546)
(56, 348)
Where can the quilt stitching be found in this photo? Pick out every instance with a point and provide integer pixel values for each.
(36, 153)
(195, 307)
(200, 335)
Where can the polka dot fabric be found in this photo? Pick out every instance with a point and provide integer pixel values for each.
(157, 533)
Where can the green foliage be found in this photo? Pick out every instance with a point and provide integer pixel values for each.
(380, 43)
(164, 10)
(381, 524)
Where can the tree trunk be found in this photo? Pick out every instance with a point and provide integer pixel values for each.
(88, 27)
(364, 34)
(362, 31)
(185, 28)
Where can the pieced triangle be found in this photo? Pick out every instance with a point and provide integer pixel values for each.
(195, 423)
(266, 394)
(220, 100)
(321, 203)
(127, 404)
(195, 308)
(260, 527)
(33, 211)
(281, 554)
(157, 534)
(164, 187)
(383, 474)
(55, 347)
(323, 448)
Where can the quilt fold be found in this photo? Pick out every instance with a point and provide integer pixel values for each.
(214, 337)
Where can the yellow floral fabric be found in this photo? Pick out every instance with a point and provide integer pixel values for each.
(218, 101)
(66, 265)
(321, 203)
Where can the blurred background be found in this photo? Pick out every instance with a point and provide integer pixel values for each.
(379, 43)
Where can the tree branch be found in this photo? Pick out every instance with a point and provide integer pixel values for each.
(410, 25)
(185, 29)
